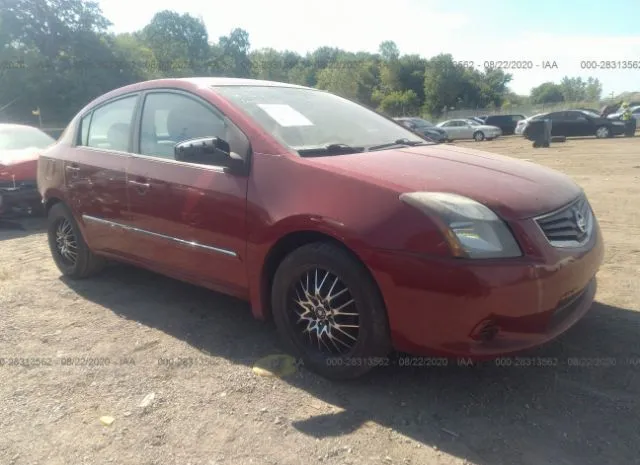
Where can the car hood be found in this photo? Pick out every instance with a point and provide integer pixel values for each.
(19, 165)
(12, 157)
(514, 188)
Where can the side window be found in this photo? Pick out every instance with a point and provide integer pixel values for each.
(557, 116)
(111, 125)
(516, 118)
(169, 118)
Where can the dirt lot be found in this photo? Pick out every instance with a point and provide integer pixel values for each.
(218, 411)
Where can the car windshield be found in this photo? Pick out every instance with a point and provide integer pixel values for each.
(17, 138)
(307, 119)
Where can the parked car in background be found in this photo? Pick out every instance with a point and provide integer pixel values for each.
(574, 123)
(469, 129)
(19, 148)
(424, 127)
(354, 234)
(635, 114)
(478, 119)
(507, 123)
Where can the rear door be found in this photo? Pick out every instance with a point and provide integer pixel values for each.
(466, 130)
(189, 219)
(558, 123)
(95, 174)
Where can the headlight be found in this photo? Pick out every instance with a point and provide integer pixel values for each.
(471, 229)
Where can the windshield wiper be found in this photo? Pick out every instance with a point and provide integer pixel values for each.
(330, 149)
(399, 142)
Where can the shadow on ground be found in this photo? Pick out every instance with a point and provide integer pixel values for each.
(13, 227)
(488, 414)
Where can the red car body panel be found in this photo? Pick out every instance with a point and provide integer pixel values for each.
(18, 174)
(435, 303)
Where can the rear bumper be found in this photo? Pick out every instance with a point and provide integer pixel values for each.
(453, 307)
(21, 199)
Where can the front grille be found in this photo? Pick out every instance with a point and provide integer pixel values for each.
(571, 226)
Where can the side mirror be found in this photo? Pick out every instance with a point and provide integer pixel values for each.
(207, 151)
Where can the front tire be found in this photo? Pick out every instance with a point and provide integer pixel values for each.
(70, 252)
(478, 136)
(329, 312)
(603, 132)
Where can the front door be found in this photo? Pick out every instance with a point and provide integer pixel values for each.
(190, 219)
(96, 175)
(453, 130)
(577, 124)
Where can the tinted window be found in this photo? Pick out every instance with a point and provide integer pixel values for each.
(517, 118)
(111, 125)
(557, 116)
(169, 118)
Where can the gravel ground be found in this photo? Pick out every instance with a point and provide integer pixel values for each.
(172, 366)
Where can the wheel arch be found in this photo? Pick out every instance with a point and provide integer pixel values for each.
(283, 247)
(50, 202)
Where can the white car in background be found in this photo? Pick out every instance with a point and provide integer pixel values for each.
(469, 129)
(522, 124)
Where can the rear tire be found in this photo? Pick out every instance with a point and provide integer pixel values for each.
(320, 287)
(68, 248)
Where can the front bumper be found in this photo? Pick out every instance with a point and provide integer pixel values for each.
(24, 198)
(484, 309)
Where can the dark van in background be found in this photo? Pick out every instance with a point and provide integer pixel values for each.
(507, 123)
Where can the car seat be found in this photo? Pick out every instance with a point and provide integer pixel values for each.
(118, 137)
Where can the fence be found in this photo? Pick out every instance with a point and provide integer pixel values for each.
(527, 110)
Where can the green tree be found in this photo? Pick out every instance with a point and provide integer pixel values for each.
(232, 54)
(547, 92)
(179, 42)
(268, 64)
(443, 84)
(593, 91)
(573, 89)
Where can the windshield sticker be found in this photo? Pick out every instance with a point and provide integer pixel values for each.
(284, 115)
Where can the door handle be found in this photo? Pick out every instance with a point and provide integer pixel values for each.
(73, 169)
(141, 187)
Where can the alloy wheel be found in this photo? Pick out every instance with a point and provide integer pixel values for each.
(66, 243)
(324, 313)
(602, 132)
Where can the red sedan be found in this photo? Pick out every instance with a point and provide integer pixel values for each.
(19, 148)
(354, 234)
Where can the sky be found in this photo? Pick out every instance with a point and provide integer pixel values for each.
(553, 38)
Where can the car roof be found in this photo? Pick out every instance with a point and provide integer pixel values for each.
(186, 83)
(227, 81)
